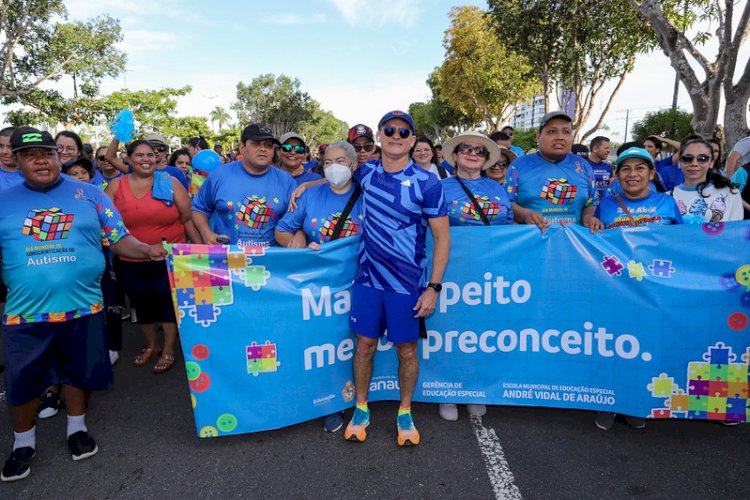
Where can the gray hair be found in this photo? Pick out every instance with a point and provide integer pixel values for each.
(348, 148)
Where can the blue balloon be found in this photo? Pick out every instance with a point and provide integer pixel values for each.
(206, 160)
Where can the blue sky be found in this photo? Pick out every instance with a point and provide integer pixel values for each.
(358, 58)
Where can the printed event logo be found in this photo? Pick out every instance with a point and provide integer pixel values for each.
(558, 191)
(254, 212)
(47, 224)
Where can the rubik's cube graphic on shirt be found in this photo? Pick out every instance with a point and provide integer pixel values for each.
(490, 209)
(558, 191)
(47, 224)
(351, 228)
(254, 212)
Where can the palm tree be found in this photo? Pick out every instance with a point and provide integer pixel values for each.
(220, 115)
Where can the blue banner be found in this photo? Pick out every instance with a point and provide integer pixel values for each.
(647, 322)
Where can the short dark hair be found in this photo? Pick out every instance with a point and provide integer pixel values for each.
(657, 142)
(628, 145)
(199, 142)
(597, 141)
(499, 136)
(130, 147)
(71, 135)
(507, 126)
(176, 154)
(7, 131)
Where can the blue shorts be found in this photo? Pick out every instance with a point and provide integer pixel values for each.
(76, 350)
(375, 311)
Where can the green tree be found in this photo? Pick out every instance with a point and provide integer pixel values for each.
(39, 47)
(670, 20)
(322, 128)
(274, 101)
(672, 123)
(576, 48)
(479, 75)
(219, 115)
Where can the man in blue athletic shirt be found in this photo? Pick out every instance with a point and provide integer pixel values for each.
(598, 154)
(246, 198)
(511, 133)
(400, 200)
(553, 185)
(51, 230)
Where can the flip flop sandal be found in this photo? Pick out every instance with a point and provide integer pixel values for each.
(146, 355)
(165, 363)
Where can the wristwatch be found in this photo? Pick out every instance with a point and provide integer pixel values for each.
(435, 286)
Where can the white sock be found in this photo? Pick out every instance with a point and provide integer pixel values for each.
(23, 439)
(76, 424)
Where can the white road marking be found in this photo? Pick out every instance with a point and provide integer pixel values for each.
(498, 470)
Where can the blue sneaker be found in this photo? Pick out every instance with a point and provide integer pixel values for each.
(407, 433)
(334, 422)
(355, 431)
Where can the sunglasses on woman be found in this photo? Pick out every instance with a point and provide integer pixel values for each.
(101, 158)
(160, 149)
(697, 158)
(500, 165)
(288, 148)
(363, 147)
(403, 132)
(465, 149)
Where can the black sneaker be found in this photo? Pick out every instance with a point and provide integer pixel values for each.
(604, 420)
(636, 422)
(18, 465)
(82, 445)
(50, 404)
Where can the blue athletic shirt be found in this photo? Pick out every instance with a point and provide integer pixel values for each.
(672, 176)
(663, 163)
(101, 181)
(654, 209)
(243, 206)
(559, 191)
(603, 176)
(491, 196)
(318, 211)
(10, 179)
(516, 149)
(51, 244)
(397, 206)
(306, 176)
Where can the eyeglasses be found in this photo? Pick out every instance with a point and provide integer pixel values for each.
(697, 158)
(160, 149)
(502, 164)
(67, 149)
(363, 147)
(101, 158)
(288, 148)
(403, 132)
(465, 149)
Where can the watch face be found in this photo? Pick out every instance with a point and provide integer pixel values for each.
(435, 286)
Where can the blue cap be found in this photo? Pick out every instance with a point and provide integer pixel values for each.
(635, 153)
(396, 114)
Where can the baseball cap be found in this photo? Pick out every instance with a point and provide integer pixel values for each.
(29, 137)
(87, 148)
(360, 130)
(635, 152)
(82, 162)
(400, 115)
(291, 135)
(322, 148)
(551, 116)
(155, 137)
(258, 132)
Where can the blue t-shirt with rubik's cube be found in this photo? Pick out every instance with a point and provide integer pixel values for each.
(490, 195)
(244, 206)
(318, 211)
(559, 191)
(51, 244)
(397, 208)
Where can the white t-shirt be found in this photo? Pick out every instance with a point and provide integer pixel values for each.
(742, 147)
(716, 205)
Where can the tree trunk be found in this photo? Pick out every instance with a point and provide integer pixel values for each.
(735, 116)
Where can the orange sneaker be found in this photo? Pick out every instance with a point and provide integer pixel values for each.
(356, 430)
(408, 435)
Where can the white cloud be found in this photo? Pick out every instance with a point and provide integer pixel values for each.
(378, 13)
(292, 19)
(137, 42)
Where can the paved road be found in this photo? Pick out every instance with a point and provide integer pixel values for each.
(148, 449)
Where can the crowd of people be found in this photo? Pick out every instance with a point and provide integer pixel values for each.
(91, 225)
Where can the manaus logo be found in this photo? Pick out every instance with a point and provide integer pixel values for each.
(47, 224)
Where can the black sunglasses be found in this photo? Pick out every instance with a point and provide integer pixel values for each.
(288, 148)
(697, 158)
(101, 158)
(403, 132)
(480, 151)
(160, 149)
(366, 147)
(500, 165)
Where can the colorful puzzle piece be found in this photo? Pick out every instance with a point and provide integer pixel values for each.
(261, 358)
(679, 402)
(662, 385)
(636, 270)
(612, 265)
(698, 370)
(719, 354)
(662, 268)
(256, 277)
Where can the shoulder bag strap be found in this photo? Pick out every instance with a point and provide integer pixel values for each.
(627, 212)
(474, 202)
(336, 234)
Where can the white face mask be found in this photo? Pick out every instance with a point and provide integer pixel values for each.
(337, 174)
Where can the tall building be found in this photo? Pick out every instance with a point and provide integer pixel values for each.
(528, 115)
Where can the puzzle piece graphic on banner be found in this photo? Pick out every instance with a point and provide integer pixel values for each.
(256, 277)
(612, 265)
(678, 402)
(737, 372)
(719, 354)
(661, 268)
(204, 314)
(662, 385)
(261, 358)
(698, 387)
(222, 295)
(636, 270)
(660, 413)
(699, 370)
